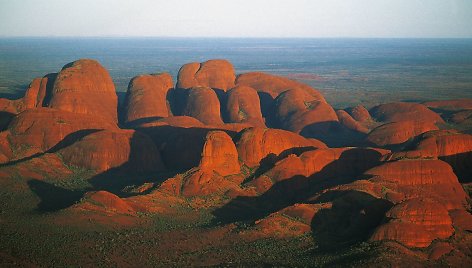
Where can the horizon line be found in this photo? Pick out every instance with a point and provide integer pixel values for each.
(228, 37)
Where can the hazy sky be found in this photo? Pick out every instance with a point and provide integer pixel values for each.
(237, 18)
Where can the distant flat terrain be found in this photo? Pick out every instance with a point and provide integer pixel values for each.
(346, 71)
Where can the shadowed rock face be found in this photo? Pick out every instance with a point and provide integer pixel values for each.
(217, 74)
(243, 106)
(203, 104)
(147, 97)
(85, 87)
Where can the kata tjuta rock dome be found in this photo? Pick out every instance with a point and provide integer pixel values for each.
(252, 148)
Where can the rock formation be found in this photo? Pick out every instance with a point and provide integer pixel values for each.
(85, 87)
(203, 104)
(146, 98)
(252, 150)
(216, 74)
(243, 106)
(255, 144)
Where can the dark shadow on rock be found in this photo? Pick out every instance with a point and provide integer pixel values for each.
(461, 164)
(177, 98)
(136, 123)
(333, 134)
(49, 87)
(298, 189)
(53, 198)
(269, 161)
(180, 147)
(5, 119)
(353, 216)
(268, 109)
(223, 99)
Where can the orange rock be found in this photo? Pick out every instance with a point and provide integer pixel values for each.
(256, 144)
(85, 87)
(274, 85)
(422, 178)
(30, 99)
(416, 223)
(38, 130)
(349, 122)
(459, 104)
(297, 109)
(217, 74)
(335, 162)
(359, 113)
(450, 146)
(203, 104)
(219, 154)
(128, 150)
(398, 132)
(198, 182)
(11, 106)
(442, 143)
(243, 106)
(104, 201)
(403, 111)
(146, 98)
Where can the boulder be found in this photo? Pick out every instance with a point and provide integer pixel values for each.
(202, 103)
(405, 111)
(243, 106)
(85, 87)
(396, 133)
(146, 98)
(421, 179)
(255, 144)
(416, 223)
(296, 109)
(359, 113)
(219, 154)
(274, 85)
(216, 74)
(346, 120)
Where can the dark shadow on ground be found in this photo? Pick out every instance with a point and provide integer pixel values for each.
(333, 134)
(354, 215)
(53, 198)
(179, 147)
